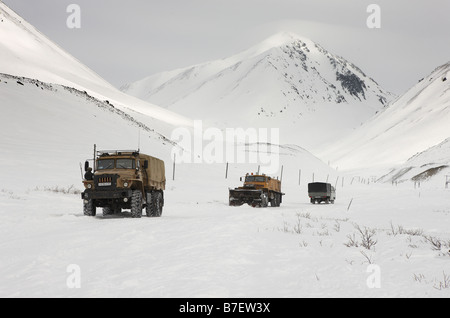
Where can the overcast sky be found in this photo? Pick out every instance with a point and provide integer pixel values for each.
(124, 41)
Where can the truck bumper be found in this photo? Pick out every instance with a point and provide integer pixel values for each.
(238, 197)
(106, 195)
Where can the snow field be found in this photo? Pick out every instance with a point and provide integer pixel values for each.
(201, 247)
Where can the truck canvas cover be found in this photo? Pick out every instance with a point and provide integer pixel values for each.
(156, 171)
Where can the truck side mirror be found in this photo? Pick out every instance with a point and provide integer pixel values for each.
(146, 164)
(86, 166)
(240, 179)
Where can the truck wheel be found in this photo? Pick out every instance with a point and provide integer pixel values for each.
(264, 201)
(159, 204)
(276, 201)
(155, 206)
(89, 208)
(136, 204)
(148, 206)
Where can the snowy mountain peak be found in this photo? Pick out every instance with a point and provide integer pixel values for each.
(284, 80)
(275, 41)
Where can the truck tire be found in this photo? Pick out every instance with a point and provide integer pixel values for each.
(89, 208)
(136, 204)
(154, 204)
(275, 201)
(148, 204)
(264, 200)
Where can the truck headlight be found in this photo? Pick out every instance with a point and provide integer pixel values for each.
(125, 184)
(89, 186)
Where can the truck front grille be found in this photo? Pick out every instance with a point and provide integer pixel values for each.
(105, 182)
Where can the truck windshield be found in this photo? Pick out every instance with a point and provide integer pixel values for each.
(125, 164)
(105, 164)
(255, 179)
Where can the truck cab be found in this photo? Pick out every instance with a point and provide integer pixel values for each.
(257, 190)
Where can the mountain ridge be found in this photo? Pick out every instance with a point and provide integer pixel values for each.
(286, 78)
(416, 121)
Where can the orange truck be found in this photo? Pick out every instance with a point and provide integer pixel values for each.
(257, 191)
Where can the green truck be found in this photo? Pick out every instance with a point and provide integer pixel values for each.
(321, 192)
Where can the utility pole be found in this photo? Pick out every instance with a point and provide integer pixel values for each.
(174, 161)
(95, 154)
(226, 173)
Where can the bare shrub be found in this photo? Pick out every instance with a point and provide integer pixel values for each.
(352, 241)
(444, 284)
(399, 230)
(367, 237)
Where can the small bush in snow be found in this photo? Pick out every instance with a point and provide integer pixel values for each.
(444, 284)
(57, 189)
(399, 230)
(367, 237)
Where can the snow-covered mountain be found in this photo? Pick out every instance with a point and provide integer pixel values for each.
(415, 122)
(423, 166)
(54, 109)
(24, 51)
(285, 81)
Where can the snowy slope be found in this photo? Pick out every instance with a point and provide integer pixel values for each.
(417, 121)
(433, 163)
(24, 51)
(48, 128)
(286, 81)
